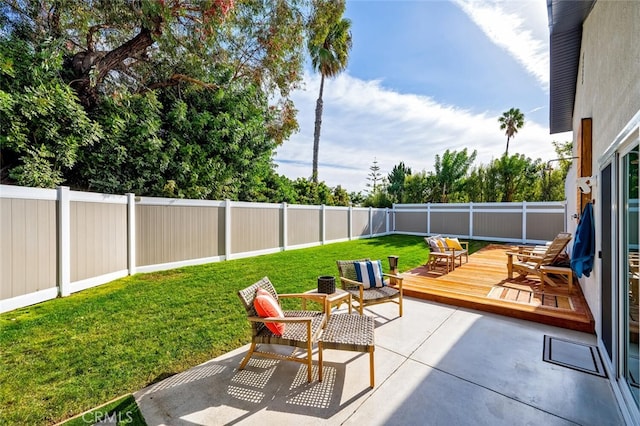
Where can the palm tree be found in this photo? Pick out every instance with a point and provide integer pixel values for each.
(329, 45)
(511, 121)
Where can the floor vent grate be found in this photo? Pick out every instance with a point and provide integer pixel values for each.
(574, 355)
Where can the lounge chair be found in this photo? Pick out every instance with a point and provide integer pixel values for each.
(391, 291)
(301, 328)
(539, 261)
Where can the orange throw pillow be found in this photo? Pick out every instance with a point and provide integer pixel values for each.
(267, 306)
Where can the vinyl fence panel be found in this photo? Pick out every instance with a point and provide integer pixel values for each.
(336, 223)
(28, 240)
(304, 225)
(172, 231)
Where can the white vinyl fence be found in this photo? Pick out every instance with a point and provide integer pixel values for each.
(54, 242)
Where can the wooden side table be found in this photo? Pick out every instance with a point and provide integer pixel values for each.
(337, 298)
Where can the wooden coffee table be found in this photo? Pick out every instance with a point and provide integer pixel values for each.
(337, 298)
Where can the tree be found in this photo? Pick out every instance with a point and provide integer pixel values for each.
(118, 46)
(68, 68)
(450, 169)
(396, 181)
(356, 198)
(513, 176)
(511, 121)
(416, 188)
(482, 186)
(374, 176)
(329, 44)
(43, 125)
(378, 199)
(552, 184)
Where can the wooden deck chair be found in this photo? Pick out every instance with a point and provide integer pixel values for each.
(301, 328)
(535, 260)
(391, 291)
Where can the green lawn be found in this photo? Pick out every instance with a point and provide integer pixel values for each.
(62, 357)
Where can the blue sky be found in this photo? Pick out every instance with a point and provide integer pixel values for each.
(425, 76)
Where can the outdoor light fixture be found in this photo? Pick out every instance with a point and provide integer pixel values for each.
(393, 263)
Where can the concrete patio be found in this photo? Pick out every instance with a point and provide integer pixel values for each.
(437, 365)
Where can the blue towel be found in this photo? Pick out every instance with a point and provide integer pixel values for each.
(584, 245)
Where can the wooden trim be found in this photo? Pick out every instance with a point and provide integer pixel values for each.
(585, 159)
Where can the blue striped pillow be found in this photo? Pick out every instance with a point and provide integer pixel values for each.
(369, 273)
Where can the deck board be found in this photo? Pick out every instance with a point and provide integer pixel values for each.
(482, 284)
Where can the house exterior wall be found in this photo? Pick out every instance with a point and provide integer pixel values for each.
(608, 91)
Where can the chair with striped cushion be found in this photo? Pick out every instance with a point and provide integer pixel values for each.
(301, 328)
(365, 281)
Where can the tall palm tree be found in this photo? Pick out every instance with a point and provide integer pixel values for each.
(511, 121)
(329, 45)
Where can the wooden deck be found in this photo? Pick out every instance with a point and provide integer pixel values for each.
(482, 284)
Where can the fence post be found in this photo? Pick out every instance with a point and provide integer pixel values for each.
(131, 232)
(471, 220)
(227, 229)
(350, 222)
(524, 222)
(323, 220)
(64, 241)
(370, 222)
(386, 225)
(285, 228)
(393, 212)
(428, 218)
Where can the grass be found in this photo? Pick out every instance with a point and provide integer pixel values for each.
(65, 356)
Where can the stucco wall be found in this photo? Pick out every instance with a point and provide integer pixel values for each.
(608, 91)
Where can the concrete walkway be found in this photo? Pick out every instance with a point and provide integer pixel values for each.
(437, 365)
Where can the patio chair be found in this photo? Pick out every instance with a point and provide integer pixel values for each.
(301, 328)
(389, 291)
(540, 261)
(446, 250)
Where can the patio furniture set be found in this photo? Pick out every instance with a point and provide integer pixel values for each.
(363, 284)
(362, 281)
(541, 260)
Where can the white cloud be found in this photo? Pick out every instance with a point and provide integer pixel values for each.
(362, 120)
(512, 26)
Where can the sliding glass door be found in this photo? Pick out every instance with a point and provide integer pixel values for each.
(629, 270)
